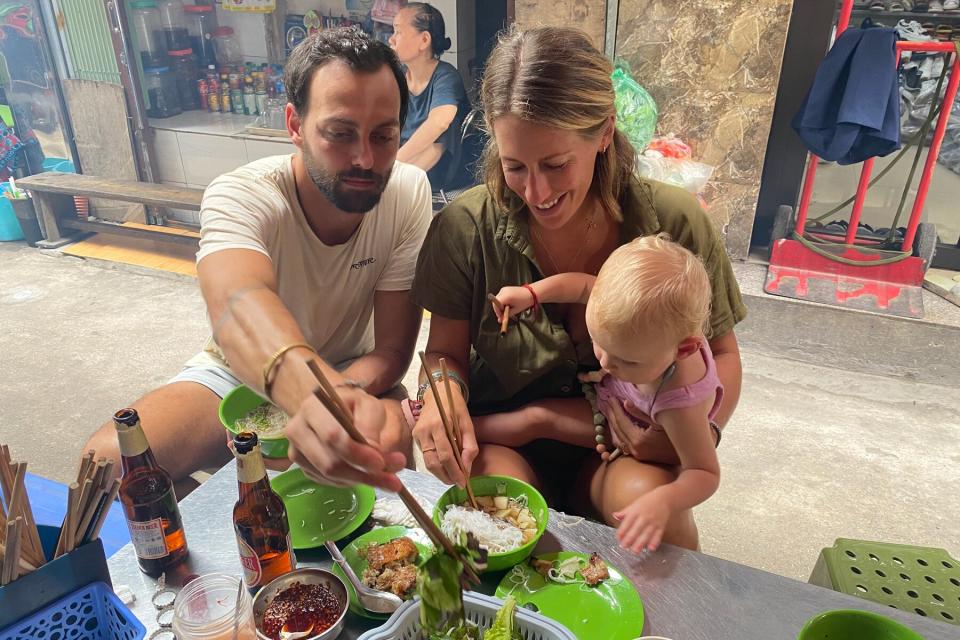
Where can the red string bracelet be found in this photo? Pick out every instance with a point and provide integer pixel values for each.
(536, 300)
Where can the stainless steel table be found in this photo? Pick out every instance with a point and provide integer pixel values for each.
(686, 595)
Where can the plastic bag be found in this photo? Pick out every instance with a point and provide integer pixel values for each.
(682, 172)
(636, 109)
(667, 159)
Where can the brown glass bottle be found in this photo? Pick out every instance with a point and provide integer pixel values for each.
(259, 518)
(149, 503)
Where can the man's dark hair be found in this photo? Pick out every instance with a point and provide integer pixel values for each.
(359, 51)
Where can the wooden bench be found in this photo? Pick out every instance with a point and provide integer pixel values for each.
(53, 199)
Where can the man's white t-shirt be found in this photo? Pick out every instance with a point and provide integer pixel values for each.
(328, 289)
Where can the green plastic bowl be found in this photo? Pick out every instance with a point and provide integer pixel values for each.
(238, 403)
(850, 624)
(487, 486)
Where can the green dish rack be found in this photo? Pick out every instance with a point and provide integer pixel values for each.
(923, 580)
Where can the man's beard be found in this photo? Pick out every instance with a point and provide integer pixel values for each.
(332, 188)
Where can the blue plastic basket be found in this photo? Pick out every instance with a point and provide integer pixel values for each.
(9, 227)
(91, 613)
(59, 164)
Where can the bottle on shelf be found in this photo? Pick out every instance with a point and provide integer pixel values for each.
(249, 97)
(149, 502)
(225, 97)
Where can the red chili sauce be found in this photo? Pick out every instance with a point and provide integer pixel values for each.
(298, 606)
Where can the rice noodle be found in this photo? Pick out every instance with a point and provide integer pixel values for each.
(493, 534)
(267, 421)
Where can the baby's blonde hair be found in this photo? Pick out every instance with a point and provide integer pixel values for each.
(651, 284)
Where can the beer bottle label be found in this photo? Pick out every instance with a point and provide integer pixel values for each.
(147, 538)
(251, 563)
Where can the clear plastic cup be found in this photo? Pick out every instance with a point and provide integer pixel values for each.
(208, 609)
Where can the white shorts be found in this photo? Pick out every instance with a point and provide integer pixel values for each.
(213, 377)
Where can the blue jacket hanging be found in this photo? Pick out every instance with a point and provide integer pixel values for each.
(852, 111)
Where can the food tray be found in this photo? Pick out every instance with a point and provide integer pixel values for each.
(481, 610)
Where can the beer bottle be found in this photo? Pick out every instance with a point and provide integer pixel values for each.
(149, 503)
(259, 518)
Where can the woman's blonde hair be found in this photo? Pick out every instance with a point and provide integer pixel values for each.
(652, 282)
(554, 76)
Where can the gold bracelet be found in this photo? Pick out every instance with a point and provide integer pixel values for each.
(271, 365)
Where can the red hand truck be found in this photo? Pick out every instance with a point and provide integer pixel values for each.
(850, 271)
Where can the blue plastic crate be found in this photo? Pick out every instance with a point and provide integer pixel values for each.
(91, 613)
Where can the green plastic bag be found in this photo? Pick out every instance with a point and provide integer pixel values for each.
(636, 109)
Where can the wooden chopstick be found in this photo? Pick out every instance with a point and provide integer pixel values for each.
(447, 425)
(66, 530)
(19, 506)
(25, 566)
(453, 431)
(104, 511)
(11, 556)
(330, 399)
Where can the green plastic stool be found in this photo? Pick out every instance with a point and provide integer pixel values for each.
(923, 580)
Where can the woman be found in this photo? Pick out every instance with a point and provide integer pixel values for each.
(438, 103)
(561, 195)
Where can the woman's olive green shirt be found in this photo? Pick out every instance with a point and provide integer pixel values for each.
(473, 248)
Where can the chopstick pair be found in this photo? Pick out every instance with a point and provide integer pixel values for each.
(451, 424)
(328, 396)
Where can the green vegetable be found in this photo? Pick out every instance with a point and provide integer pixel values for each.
(438, 585)
(503, 627)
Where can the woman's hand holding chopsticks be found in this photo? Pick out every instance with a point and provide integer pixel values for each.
(444, 430)
(327, 454)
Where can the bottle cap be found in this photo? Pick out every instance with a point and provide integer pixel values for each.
(245, 442)
(126, 417)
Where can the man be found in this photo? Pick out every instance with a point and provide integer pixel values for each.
(308, 257)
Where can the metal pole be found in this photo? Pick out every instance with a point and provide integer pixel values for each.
(610, 28)
(859, 200)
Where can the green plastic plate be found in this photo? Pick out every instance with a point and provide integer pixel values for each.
(351, 554)
(318, 513)
(612, 610)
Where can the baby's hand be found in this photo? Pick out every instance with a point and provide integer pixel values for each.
(642, 523)
(592, 376)
(518, 299)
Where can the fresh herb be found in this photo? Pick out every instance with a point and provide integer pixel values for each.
(503, 625)
(438, 584)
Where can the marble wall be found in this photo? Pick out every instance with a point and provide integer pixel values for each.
(713, 67)
(589, 15)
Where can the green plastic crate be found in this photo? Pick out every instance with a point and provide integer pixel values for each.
(923, 580)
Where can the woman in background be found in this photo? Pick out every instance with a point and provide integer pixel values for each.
(438, 102)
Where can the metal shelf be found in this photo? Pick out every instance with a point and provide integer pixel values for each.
(919, 16)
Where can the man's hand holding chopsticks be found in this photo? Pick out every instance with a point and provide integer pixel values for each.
(327, 454)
